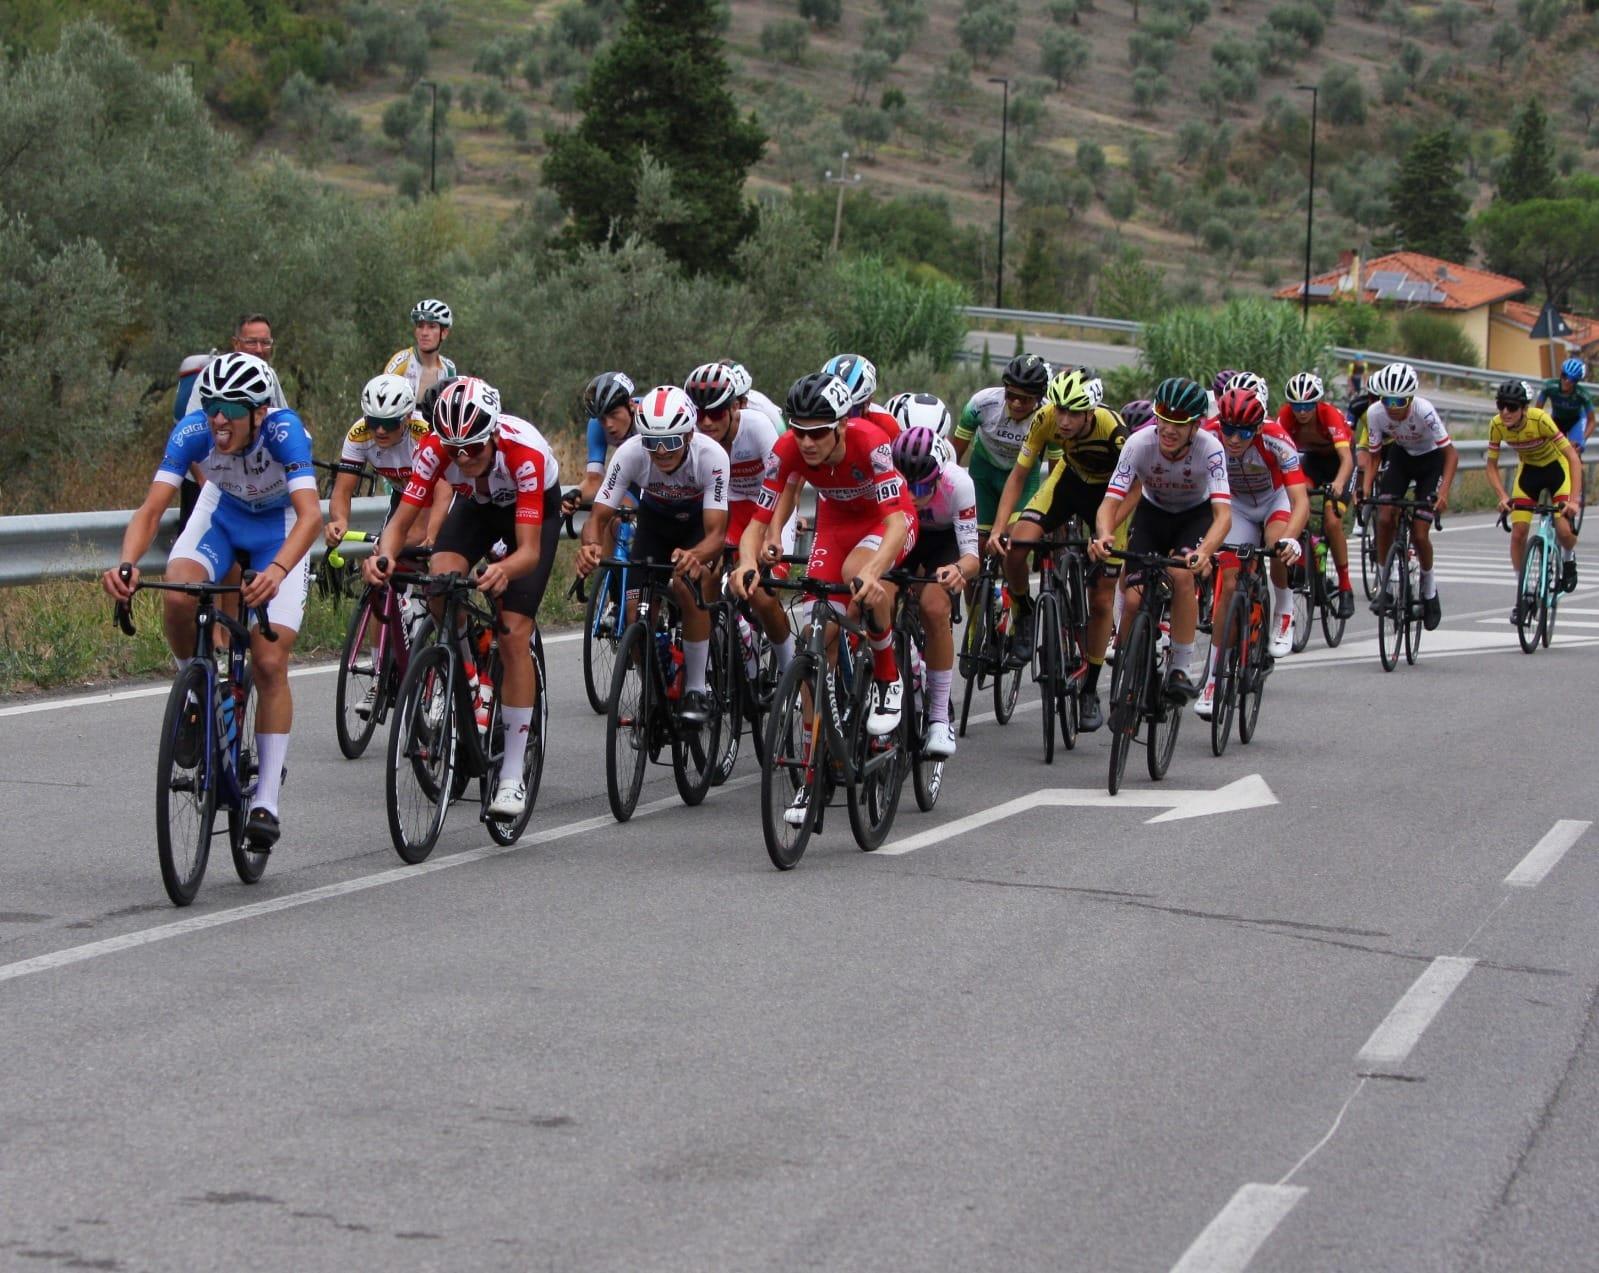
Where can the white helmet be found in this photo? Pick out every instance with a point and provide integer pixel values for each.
(743, 382)
(945, 450)
(1305, 387)
(925, 409)
(1396, 380)
(430, 311)
(388, 397)
(236, 377)
(1249, 382)
(665, 412)
(466, 411)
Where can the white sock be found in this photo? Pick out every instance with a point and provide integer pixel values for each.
(938, 684)
(1116, 609)
(785, 653)
(1568, 554)
(271, 751)
(1182, 655)
(1282, 601)
(518, 720)
(695, 653)
(1429, 586)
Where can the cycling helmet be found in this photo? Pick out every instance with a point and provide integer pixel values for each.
(1180, 400)
(430, 311)
(1574, 369)
(1219, 382)
(921, 410)
(1029, 373)
(1137, 413)
(1095, 387)
(664, 412)
(1069, 391)
(1250, 383)
(1305, 387)
(1396, 380)
(818, 396)
(1240, 407)
(606, 392)
(236, 377)
(710, 386)
(742, 380)
(388, 398)
(915, 453)
(858, 375)
(466, 411)
(946, 453)
(430, 396)
(1513, 393)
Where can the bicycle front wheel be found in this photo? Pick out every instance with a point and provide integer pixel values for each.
(1529, 591)
(1048, 671)
(1228, 653)
(1303, 597)
(1554, 565)
(421, 765)
(602, 617)
(794, 765)
(1368, 556)
(509, 832)
(1413, 608)
(974, 656)
(725, 676)
(1332, 624)
(360, 680)
(697, 750)
(1252, 660)
(627, 739)
(1165, 720)
(1391, 619)
(880, 765)
(247, 863)
(1127, 692)
(185, 795)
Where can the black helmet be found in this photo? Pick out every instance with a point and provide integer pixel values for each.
(430, 395)
(606, 392)
(1513, 393)
(1179, 398)
(1029, 373)
(818, 396)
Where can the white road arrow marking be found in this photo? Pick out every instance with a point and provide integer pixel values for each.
(1247, 793)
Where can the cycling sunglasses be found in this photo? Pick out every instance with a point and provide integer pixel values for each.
(922, 489)
(815, 432)
(385, 424)
(227, 410)
(1181, 421)
(1396, 402)
(717, 413)
(1012, 395)
(466, 450)
(1239, 430)
(1511, 408)
(1302, 406)
(665, 443)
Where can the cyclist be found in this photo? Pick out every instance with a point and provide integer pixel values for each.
(751, 398)
(259, 502)
(423, 364)
(508, 492)
(1568, 402)
(384, 439)
(1176, 475)
(1137, 414)
(609, 399)
(994, 425)
(1322, 435)
(1269, 505)
(946, 546)
(1421, 452)
(860, 376)
(1087, 440)
(682, 478)
(748, 438)
(1546, 460)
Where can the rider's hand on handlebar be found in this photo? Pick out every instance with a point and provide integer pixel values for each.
(492, 579)
(588, 559)
(685, 565)
(261, 589)
(1199, 561)
(116, 586)
(950, 578)
(333, 533)
(998, 541)
(376, 568)
(1286, 551)
(1100, 549)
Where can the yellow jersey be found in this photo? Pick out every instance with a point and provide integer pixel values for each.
(1092, 456)
(1536, 442)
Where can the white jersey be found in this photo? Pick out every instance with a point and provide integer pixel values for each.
(364, 446)
(1422, 430)
(408, 366)
(952, 506)
(699, 482)
(1198, 475)
(998, 436)
(755, 400)
(750, 455)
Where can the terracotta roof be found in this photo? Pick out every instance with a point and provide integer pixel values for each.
(1584, 330)
(1412, 277)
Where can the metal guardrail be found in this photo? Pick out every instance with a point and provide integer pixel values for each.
(1092, 321)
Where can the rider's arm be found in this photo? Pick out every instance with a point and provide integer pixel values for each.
(896, 530)
(140, 534)
(1009, 497)
(1491, 468)
(305, 531)
(1298, 510)
(1346, 466)
(339, 506)
(1221, 521)
(1574, 462)
(1451, 463)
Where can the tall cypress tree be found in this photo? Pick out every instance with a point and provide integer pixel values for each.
(661, 86)
(1425, 203)
(1529, 168)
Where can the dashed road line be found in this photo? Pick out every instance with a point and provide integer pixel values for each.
(1544, 856)
(1400, 1031)
(1229, 1242)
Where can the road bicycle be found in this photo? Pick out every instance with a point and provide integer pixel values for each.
(985, 648)
(604, 607)
(1313, 579)
(448, 727)
(1538, 585)
(1137, 690)
(1402, 621)
(1241, 650)
(207, 755)
(910, 649)
(334, 579)
(1366, 537)
(816, 735)
(376, 652)
(745, 675)
(1060, 626)
(644, 713)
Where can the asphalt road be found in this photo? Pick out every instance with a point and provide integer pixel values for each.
(1307, 1024)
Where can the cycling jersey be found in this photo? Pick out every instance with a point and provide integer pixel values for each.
(1325, 431)
(951, 506)
(755, 400)
(874, 414)
(1092, 456)
(863, 485)
(1536, 442)
(1569, 410)
(261, 478)
(524, 467)
(989, 428)
(1422, 430)
(363, 446)
(599, 443)
(698, 483)
(407, 364)
(1198, 475)
(749, 456)
(1267, 465)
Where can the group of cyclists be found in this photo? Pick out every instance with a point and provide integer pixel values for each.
(711, 473)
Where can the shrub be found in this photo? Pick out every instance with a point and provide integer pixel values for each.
(785, 40)
(1435, 338)
(1265, 336)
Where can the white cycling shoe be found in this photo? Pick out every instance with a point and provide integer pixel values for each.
(1282, 636)
(510, 798)
(794, 815)
(940, 740)
(1205, 704)
(886, 700)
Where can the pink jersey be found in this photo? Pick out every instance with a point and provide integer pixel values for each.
(1268, 464)
(524, 468)
(863, 485)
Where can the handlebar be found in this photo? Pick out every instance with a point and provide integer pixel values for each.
(122, 611)
(657, 568)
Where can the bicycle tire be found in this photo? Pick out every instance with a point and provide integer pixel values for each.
(599, 648)
(977, 642)
(627, 741)
(696, 752)
(1072, 659)
(1226, 652)
(1391, 620)
(877, 768)
(785, 742)
(1252, 673)
(1529, 591)
(1551, 593)
(185, 795)
(1302, 594)
(1165, 721)
(503, 831)
(1413, 608)
(1332, 624)
(1007, 681)
(1127, 689)
(1368, 556)
(248, 865)
(725, 680)
(354, 681)
(421, 754)
(1048, 672)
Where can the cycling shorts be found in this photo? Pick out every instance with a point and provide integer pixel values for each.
(739, 514)
(1065, 495)
(990, 479)
(477, 531)
(1320, 467)
(221, 534)
(656, 535)
(1259, 525)
(1532, 480)
(1400, 468)
(935, 547)
(1172, 534)
(836, 539)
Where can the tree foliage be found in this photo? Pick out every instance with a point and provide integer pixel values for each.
(1553, 241)
(1529, 169)
(1426, 206)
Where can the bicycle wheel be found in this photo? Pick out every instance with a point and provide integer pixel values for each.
(185, 795)
(421, 757)
(247, 863)
(1368, 556)
(1127, 690)
(879, 765)
(1160, 740)
(627, 726)
(602, 615)
(725, 676)
(360, 676)
(978, 628)
(1227, 652)
(1303, 596)
(927, 772)
(1554, 564)
(510, 831)
(1332, 625)
(1252, 674)
(1007, 680)
(1413, 607)
(788, 769)
(1048, 670)
(697, 751)
(1391, 622)
(1529, 588)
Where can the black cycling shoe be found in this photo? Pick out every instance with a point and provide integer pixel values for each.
(696, 707)
(1432, 612)
(1382, 603)
(262, 830)
(1346, 604)
(1020, 653)
(1515, 615)
(1179, 688)
(186, 747)
(1090, 716)
(1568, 576)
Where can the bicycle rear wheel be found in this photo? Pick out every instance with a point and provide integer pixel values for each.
(1127, 690)
(602, 617)
(1252, 673)
(1303, 596)
(1368, 556)
(1007, 680)
(1332, 625)
(185, 796)
(879, 765)
(509, 831)
(1554, 565)
(697, 751)
(1529, 591)
(247, 863)
(421, 757)
(359, 676)
(976, 652)
(1049, 672)
(789, 770)
(1391, 622)
(1227, 652)
(725, 676)
(627, 741)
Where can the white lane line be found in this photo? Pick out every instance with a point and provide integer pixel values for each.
(1229, 1242)
(1546, 854)
(1402, 1028)
(198, 923)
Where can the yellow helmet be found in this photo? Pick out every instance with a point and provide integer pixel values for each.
(1071, 391)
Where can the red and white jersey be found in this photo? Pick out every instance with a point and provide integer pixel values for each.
(751, 455)
(1196, 476)
(524, 468)
(1268, 464)
(863, 485)
(699, 482)
(1421, 431)
(1324, 431)
(874, 414)
(952, 504)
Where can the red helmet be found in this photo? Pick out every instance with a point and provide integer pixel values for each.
(1240, 408)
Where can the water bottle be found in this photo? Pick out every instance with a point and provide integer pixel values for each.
(674, 685)
(1163, 644)
(229, 724)
(483, 708)
(746, 641)
(663, 648)
(918, 674)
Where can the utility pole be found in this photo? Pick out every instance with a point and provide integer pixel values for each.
(843, 181)
(1310, 199)
(433, 136)
(1004, 139)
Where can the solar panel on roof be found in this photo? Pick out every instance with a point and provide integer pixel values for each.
(1377, 280)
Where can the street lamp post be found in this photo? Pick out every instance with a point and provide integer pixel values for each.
(1310, 198)
(433, 136)
(842, 181)
(1004, 138)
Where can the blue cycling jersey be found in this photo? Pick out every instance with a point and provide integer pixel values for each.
(599, 444)
(259, 479)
